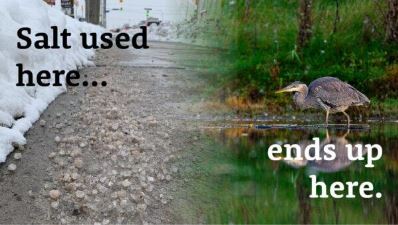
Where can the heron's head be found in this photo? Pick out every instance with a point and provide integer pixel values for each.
(293, 87)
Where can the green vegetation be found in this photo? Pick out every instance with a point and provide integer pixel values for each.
(260, 38)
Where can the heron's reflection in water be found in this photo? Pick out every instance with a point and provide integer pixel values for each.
(341, 160)
(248, 187)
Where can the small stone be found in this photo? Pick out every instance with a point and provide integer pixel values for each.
(149, 188)
(17, 155)
(80, 194)
(126, 183)
(144, 185)
(160, 176)
(123, 203)
(115, 127)
(75, 152)
(69, 187)
(55, 194)
(52, 155)
(66, 177)
(54, 204)
(75, 176)
(126, 173)
(153, 122)
(121, 194)
(141, 206)
(102, 188)
(12, 167)
(113, 113)
(42, 123)
(57, 139)
(82, 145)
(78, 163)
(102, 179)
(61, 162)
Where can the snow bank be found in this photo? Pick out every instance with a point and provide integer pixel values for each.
(190, 32)
(20, 107)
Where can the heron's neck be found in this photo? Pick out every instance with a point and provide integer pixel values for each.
(300, 98)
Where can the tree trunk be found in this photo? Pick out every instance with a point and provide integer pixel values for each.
(247, 10)
(337, 17)
(305, 24)
(197, 11)
(392, 21)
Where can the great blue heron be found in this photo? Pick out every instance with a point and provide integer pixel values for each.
(327, 93)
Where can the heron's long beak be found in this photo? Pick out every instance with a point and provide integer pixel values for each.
(286, 89)
(280, 91)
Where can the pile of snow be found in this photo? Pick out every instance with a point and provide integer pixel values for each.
(22, 106)
(191, 32)
(176, 32)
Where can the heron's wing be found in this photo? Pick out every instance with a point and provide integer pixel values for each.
(335, 93)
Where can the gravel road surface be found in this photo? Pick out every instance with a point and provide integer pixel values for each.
(108, 155)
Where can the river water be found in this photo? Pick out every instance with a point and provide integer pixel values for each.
(240, 184)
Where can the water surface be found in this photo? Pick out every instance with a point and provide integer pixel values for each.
(240, 184)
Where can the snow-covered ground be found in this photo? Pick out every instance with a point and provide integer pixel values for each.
(22, 106)
(190, 32)
(176, 16)
(133, 11)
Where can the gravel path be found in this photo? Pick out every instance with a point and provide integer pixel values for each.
(108, 154)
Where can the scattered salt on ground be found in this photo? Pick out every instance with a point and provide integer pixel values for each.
(27, 103)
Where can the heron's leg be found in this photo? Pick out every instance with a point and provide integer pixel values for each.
(346, 133)
(348, 119)
(327, 135)
(327, 118)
